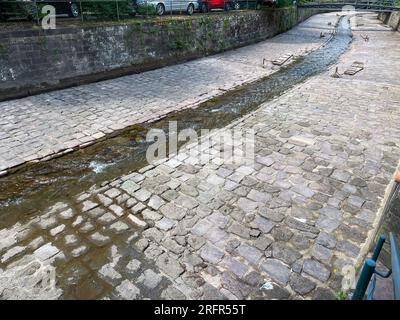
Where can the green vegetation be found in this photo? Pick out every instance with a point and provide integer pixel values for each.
(284, 3)
(226, 24)
(3, 50)
(113, 9)
(146, 9)
(179, 44)
(42, 42)
(20, 9)
(307, 1)
(341, 295)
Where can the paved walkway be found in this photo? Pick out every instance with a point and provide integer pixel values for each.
(281, 229)
(40, 126)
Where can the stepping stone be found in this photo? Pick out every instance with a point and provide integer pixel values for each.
(281, 60)
(355, 67)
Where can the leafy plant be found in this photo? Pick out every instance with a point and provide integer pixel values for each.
(341, 295)
(284, 3)
(112, 9)
(146, 9)
(19, 9)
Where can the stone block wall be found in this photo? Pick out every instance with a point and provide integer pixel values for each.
(391, 19)
(391, 219)
(37, 60)
(390, 223)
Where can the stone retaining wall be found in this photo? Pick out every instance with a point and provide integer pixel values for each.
(391, 218)
(390, 222)
(37, 60)
(391, 19)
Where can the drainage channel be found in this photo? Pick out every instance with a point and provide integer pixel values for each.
(39, 185)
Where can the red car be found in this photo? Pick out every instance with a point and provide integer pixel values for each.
(207, 5)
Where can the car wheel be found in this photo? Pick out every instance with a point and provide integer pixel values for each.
(190, 9)
(204, 8)
(160, 9)
(227, 7)
(74, 10)
(236, 6)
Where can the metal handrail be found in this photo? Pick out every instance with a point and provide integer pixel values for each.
(363, 282)
(369, 271)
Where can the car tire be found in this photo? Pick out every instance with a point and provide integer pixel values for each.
(160, 9)
(204, 8)
(190, 9)
(236, 6)
(227, 7)
(74, 10)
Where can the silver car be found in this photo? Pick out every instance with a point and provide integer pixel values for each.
(163, 6)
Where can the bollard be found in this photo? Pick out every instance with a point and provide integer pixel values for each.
(365, 276)
(378, 247)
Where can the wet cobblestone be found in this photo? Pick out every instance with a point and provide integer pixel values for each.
(282, 229)
(38, 127)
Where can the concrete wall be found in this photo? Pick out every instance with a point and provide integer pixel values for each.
(391, 19)
(391, 218)
(390, 223)
(37, 60)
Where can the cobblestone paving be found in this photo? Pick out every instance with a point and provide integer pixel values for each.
(40, 126)
(187, 229)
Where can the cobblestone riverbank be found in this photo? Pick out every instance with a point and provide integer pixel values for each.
(45, 125)
(184, 228)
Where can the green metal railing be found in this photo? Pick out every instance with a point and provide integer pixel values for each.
(367, 279)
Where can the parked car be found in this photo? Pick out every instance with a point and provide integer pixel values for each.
(31, 10)
(247, 4)
(17, 9)
(207, 5)
(163, 6)
(270, 3)
(69, 7)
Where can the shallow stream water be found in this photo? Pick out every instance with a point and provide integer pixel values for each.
(36, 186)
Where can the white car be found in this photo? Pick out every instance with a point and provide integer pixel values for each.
(163, 6)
